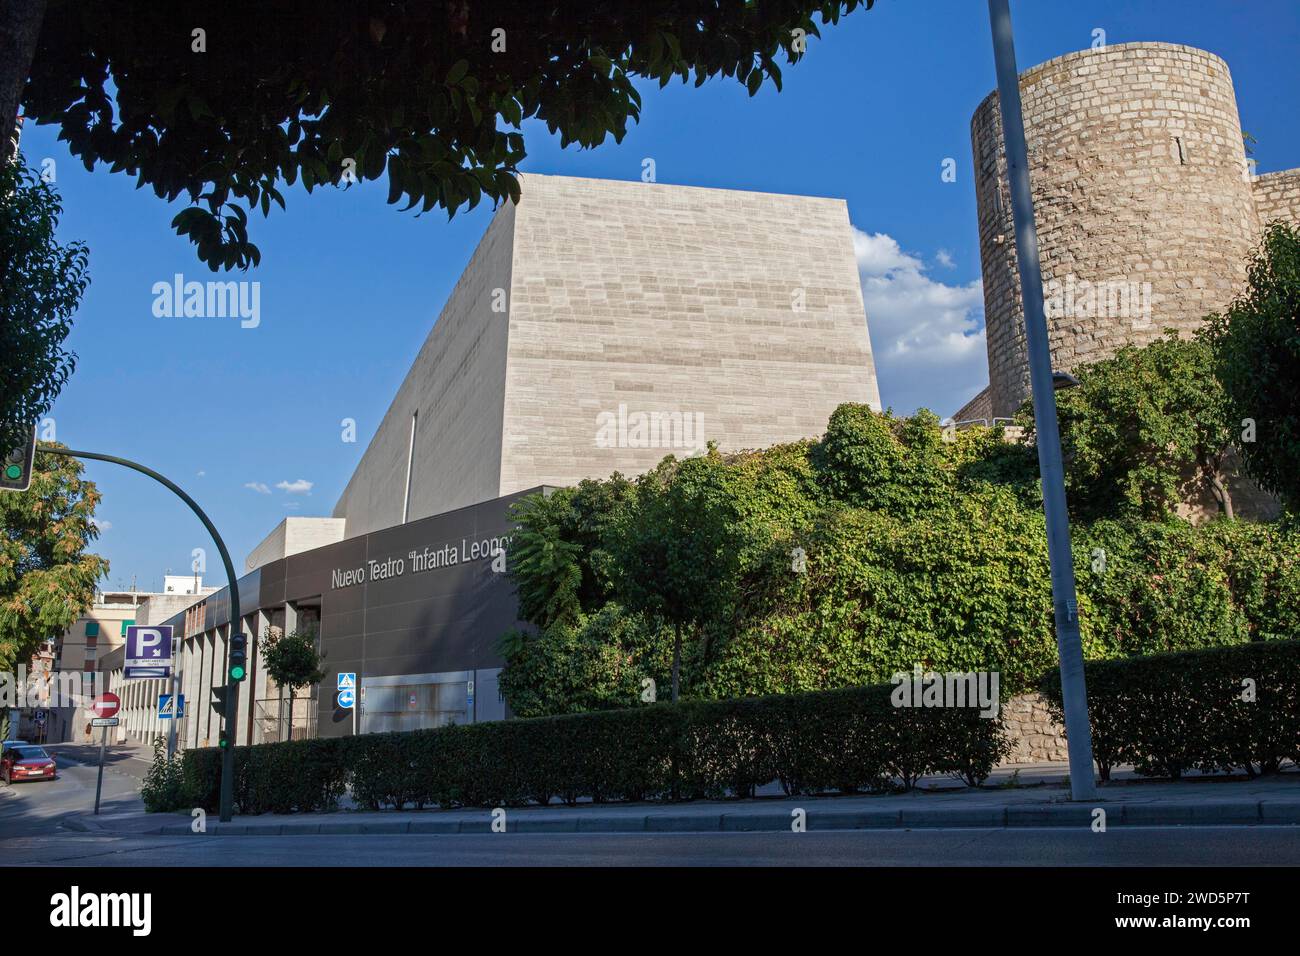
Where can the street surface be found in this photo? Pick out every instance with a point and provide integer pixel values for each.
(1202, 846)
(33, 832)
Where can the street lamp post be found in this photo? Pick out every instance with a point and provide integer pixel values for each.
(1048, 438)
(232, 696)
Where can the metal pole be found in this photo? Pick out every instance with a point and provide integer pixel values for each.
(99, 782)
(1064, 601)
(236, 619)
(176, 709)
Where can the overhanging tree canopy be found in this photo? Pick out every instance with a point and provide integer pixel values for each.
(431, 93)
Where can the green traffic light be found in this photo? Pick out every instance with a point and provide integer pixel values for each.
(13, 472)
(237, 672)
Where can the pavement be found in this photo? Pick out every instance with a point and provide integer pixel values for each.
(1037, 800)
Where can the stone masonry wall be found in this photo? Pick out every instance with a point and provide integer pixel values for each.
(1138, 175)
(1277, 196)
(742, 310)
(1035, 736)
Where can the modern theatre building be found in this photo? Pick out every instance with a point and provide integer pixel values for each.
(598, 327)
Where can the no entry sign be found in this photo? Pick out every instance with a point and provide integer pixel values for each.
(106, 706)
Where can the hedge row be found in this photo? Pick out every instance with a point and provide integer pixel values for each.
(844, 740)
(1169, 713)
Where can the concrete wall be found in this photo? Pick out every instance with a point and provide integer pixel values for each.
(293, 536)
(1138, 175)
(457, 386)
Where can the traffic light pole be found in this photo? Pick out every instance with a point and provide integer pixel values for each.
(1060, 558)
(236, 621)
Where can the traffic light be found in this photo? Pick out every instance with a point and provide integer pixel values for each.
(16, 469)
(219, 699)
(238, 656)
(222, 740)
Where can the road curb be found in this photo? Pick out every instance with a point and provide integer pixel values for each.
(1218, 813)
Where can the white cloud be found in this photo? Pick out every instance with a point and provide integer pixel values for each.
(944, 258)
(202, 473)
(257, 486)
(927, 336)
(101, 525)
(300, 487)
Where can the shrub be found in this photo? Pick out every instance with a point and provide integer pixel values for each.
(163, 789)
(1169, 713)
(845, 740)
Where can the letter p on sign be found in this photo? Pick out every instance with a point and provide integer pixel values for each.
(148, 642)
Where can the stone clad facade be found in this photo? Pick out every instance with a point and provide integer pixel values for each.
(1145, 209)
(594, 308)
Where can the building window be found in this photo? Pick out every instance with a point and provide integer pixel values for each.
(92, 629)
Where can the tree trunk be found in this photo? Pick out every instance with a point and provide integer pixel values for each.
(20, 26)
(677, 661)
(1221, 492)
(291, 713)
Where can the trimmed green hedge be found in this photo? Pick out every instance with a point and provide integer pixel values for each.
(1169, 713)
(843, 740)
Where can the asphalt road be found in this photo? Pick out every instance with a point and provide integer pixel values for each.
(32, 833)
(38, 808)
(1147, 846)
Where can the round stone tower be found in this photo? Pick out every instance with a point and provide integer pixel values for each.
(1142, 198)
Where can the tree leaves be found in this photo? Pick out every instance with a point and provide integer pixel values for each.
(41, 284)
(290, 94)
(46, 576)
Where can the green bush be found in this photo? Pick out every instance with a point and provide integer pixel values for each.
(163, 789)
(298, 775)
(844, 740)
(1169, 713)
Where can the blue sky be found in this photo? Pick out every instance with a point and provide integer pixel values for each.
(350, 286)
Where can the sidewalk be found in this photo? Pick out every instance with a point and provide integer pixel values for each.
(1202, 802)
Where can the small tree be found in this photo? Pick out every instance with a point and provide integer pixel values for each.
(291, 660)
(677, 550)
(1256, 346)
(47, 578)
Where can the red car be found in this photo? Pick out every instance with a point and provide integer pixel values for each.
(26, 762)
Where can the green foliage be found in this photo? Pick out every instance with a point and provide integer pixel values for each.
(1170, 713)
(545, 567)
(422, 91)
(1256, 346)
(41, 283)
(47, 578)
(597, 664)
(291, 659)
(965, 588)
(1142, 429)
(678, 549)
(816, 565)
(292, 776)
(894, 465)
(1147, 586)
(846, 741)
(163, 787)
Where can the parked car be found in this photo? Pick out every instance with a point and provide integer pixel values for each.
(26, 762)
